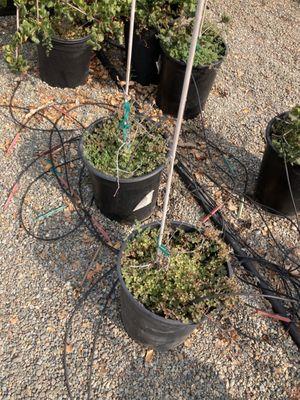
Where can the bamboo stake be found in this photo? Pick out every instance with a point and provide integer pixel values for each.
(202, 19)
(37, 10)
(130, 43)
(186, 83)
(18, 27)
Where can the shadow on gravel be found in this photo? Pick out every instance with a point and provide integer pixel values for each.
(186, 379)
(220, 158)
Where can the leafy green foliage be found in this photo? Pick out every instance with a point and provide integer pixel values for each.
(3, 3)
(176, 41)
(63, 18)
(146, 148)
(157, 13)
(286, 136)
(194, 283)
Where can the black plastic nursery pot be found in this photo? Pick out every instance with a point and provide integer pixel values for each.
(145, 55)
(9, 9)
(171, 83)
(128, 200)
(67, 64)
(272, 188)
(143, 325)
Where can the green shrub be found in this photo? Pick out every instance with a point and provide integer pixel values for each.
(285, 135)
(176, 42)
(157, 13)
(145, 151)
(194, 283)
(67, 19)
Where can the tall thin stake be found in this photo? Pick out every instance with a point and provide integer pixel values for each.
(18, 27)
(186, 83)
(37, 10)
(130, 42)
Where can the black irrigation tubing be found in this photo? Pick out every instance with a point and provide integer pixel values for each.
(249, 265)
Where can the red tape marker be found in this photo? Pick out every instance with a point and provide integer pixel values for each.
(13, 144)
(101, 230)
(213, 212)
(273, 316)
(11, 195)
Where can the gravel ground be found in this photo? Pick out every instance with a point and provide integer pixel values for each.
(238, 355)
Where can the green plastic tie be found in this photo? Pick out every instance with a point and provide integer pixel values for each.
(124, 122)
(228, 165)
(50, 213)
(164, 250)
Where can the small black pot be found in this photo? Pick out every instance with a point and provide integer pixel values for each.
(171, 83)
(143, 325)
(145, 55)
(272, 189)
(10, 9)
(67, 65)
(136, 197)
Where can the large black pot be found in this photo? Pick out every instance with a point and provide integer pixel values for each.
(171, 83)
(134, 200)
(272, 188)
(67, 64)
(143, 325)
(145, 55)
(9, 9)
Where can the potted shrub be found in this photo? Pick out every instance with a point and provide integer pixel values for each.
(210, 53)
(151, 15)
(125, 172)
(7, 7)
(161, 304)
(66, 33)
(280, 168)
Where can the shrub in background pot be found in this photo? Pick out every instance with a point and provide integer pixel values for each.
(125, 175)
(161, 305)
(145, 55)
(7, 7)
(67, 63)
(209, 56)
(65, 36)
(281, 165)
(150, 17)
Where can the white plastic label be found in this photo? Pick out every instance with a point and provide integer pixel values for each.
(145, 202)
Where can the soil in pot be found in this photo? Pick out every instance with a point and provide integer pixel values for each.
(125, 175)
(280, 168)
(209, 56)
(66, 65)
(161, 304)
(145, 55)
(7, 7)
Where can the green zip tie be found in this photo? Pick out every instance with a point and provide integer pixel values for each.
(124, 125)
(50, 213)
(53, 169)
(228, 165)
(164, 250)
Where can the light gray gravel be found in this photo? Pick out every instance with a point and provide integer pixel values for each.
(237, 356)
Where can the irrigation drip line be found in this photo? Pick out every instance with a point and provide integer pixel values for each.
(242, 256)
(254, 264)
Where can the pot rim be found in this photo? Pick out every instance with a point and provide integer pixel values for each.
(198, 67)
(111, 178)
(124, 287)
(268, 138)
(83, 39)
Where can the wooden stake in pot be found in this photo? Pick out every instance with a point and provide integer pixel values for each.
(130, 44)
(18, 27)
(186, 83)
